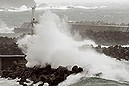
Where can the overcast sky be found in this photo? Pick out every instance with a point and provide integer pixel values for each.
(16, 3)
(71, 1)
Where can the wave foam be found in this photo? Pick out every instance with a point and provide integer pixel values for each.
(52, 45)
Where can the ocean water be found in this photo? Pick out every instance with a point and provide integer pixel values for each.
(92, 13)
(53, 44)
(97, 82)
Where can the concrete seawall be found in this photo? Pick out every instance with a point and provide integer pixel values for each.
(83, 27)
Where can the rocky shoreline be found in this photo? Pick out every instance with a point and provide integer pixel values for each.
(106, 38)
(117, 51)
(47, 74)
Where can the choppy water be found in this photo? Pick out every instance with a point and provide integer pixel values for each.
(82, 82)
(103, 14)
(97, 82)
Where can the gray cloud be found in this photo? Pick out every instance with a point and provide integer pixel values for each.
(16, 3)
(81, 0)
(84, 2)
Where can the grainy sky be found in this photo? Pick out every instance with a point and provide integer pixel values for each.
(50, 1)
(29, 3)
(16, 3)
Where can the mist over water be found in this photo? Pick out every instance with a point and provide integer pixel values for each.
(51, 44)
(4, 28)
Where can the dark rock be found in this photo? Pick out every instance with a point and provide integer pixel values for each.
(40, 84)
(75, 69)
(45, 74)
(80, 69)
(116, 51)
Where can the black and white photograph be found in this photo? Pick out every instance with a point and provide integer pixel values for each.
(64, 42)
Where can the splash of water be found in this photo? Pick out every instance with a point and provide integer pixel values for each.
(50, 45)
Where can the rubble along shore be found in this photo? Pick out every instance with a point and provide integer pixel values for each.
(47, 74)
(53, 76)
(117, 51)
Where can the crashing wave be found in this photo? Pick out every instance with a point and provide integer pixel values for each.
(57, 49)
